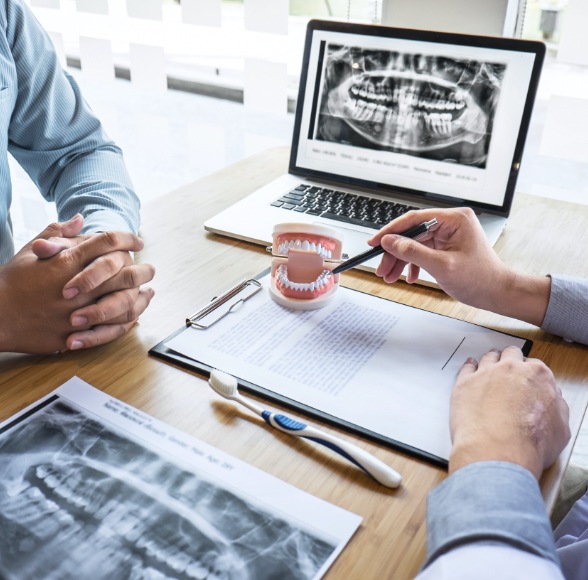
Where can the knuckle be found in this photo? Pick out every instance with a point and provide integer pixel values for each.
(54, 227)
(99, 315)
(467, 212)
(109, 263)
(131, 277)
(111, 239)
(69, 259)
(86, 282)
(131, 307)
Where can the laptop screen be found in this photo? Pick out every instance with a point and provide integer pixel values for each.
(434, 116)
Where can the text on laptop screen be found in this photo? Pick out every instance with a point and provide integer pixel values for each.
(426, 117)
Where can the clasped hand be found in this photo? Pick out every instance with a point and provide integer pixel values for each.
(69, 291)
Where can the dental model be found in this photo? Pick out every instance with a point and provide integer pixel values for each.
(301, 278)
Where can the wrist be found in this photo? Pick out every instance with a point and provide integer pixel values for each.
(522, 296)
(463, 454)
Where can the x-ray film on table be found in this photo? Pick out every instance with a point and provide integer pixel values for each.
(93, 488)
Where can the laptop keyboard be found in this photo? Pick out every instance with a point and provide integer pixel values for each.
(341, 206)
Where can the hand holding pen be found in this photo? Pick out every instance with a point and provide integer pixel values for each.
(457, 254)
(413, 233)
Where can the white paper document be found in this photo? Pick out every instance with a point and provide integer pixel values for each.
(93, 488)
(382, 366)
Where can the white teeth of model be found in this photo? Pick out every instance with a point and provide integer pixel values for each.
(305, 246)
(313, 247)
(298, 244)
(311, 286)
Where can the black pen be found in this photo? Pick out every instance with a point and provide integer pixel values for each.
(377, 250)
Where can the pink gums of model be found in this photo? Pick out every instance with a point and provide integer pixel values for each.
(301, 278)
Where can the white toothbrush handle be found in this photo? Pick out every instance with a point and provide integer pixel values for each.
(364, 460)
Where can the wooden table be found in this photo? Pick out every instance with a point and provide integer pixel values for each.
(193, 266)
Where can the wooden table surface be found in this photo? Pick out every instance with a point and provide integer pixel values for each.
(542, 236)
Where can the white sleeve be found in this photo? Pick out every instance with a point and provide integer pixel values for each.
(484, 562)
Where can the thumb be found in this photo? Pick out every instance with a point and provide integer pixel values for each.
(411, 252)
(48, 248)
(51, 240)
(67, 229)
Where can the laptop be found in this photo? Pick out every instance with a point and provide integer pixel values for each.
(392, 119)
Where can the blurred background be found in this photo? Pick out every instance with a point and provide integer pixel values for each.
(187, 87)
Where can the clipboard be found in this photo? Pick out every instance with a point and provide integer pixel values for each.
(234, 301)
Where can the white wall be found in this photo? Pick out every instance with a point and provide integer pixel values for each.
(573, 46)
(487, 17)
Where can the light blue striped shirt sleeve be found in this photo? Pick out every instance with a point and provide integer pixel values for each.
(567, 311)
(51, 131)
(489, 502)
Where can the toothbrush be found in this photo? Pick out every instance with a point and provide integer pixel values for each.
(226, 386)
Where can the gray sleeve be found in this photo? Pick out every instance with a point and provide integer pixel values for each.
(491, 502)
(567, 311)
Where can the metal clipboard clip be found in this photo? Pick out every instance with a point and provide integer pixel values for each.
(224, 304)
